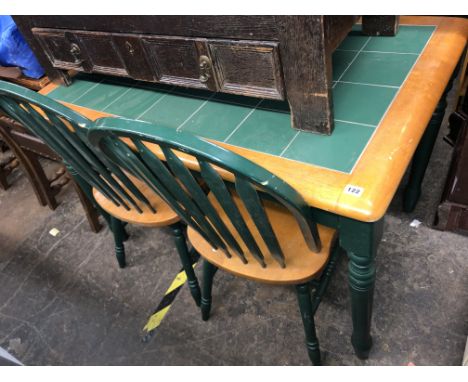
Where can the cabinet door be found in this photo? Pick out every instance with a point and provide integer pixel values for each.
(250, 68)
(62, 51)
(180, 61)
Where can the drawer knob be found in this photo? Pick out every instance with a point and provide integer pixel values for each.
(205, 69)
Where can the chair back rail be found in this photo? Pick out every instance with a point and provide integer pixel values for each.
(129, 144)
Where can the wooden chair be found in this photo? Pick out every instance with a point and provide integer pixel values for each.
(118, 198)
(255, 226)
(27, 152)
(7, 164)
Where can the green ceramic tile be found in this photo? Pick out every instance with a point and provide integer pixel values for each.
(172, 110)
(72, 92)
(380, 68)
(409, 39)
(361, 103)
(355, 40)
(338, 151)
(340, 61)
(217, 119)
(265, 131)
(100, 96)
(134, 102)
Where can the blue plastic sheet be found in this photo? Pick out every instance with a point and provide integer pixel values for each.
(14, 51)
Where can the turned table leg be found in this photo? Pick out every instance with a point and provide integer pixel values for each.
(360, 240)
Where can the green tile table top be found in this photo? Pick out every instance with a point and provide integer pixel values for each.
(367, 73)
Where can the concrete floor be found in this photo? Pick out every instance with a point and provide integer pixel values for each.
(63, 300)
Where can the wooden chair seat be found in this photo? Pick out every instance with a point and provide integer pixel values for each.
(301, 263)
(164, 214)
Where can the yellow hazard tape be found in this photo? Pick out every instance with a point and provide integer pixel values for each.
(155, 320)
(179, 280)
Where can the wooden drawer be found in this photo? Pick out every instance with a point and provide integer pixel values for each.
(180, 61)
(249, 68)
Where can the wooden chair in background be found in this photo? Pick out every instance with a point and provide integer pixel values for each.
(26, 151)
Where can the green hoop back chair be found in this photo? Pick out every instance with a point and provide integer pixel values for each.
(117, 198)
(254, 225)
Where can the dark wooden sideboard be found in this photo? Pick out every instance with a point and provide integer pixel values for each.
(273, 57)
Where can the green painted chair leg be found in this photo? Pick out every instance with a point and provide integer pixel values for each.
(305, 305)
(119, 233)
(184, 256)
(209, 270)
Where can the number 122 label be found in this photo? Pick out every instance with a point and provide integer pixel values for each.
(354, 190)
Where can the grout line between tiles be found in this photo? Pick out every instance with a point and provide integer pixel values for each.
(369, 84)
(289, 144)
(86, 92)
(243, 120)
(376, 51)
(155, 103)
(354, 59)
(356, 123)
(120, 96)
(195, 112)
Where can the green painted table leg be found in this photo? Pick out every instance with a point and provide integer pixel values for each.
(360, 240)
(423, 153)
